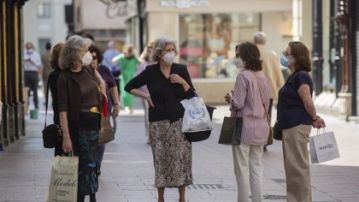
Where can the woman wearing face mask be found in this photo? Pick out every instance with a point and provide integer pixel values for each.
(295, 116)
(79, 102)
(168, 83)
(111, 92)
(250, 100)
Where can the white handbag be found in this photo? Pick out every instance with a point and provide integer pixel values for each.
(196, 117)
(323, 147)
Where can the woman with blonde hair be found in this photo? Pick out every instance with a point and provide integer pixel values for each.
(79, 104)
(168, 83)
(128, 63)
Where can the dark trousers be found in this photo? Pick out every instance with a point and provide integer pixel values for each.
(31, 81)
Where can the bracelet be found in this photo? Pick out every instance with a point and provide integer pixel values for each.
(116, 103)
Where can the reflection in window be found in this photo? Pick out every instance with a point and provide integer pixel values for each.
(207, 42)
(44, 10)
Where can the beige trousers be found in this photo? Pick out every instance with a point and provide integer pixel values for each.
(247, 161)
(296, 163)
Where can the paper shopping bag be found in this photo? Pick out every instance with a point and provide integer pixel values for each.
(196, 117)
(323, 147)
(64, 179)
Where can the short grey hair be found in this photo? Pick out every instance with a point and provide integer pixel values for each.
(70, 54)
(159, 45)
(260, 38)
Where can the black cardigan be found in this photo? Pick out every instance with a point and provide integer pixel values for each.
(165, 96)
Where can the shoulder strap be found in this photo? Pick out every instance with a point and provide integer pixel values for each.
(47, 100)
(261, 94)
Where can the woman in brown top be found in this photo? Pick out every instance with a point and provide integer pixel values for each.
(79, 101)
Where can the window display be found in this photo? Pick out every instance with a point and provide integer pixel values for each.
(207, 42)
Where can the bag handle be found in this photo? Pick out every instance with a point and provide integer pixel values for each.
(261, 95)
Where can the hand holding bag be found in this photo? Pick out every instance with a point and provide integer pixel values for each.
(64, 179)
(51, 134)
(323, 147)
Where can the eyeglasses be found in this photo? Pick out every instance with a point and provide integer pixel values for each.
(149, 47)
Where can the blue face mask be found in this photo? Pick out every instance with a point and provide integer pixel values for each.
(284, 61)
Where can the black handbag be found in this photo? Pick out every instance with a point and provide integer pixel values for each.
(231, 131)
(201, 135)
(51, 134)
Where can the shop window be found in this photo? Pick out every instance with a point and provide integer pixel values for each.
(207, 42)
(44, 10)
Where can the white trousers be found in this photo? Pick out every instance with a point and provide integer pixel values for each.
(247, 161)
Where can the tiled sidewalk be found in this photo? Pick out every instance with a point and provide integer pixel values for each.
(127, 171)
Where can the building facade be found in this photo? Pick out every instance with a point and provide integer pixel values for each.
(12, 124)
(335, 56)
(207, 32)
(44, 21)
(105, 20)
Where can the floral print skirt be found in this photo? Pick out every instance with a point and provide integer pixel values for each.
(172, 154)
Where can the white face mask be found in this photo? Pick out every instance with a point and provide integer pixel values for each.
(239, 63)
(87, 58)
(169, 57)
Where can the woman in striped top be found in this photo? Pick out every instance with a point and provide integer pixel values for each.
(250, 99)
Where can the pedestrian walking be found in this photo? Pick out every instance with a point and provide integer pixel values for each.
(145, 61)
(52, 82)
(79, 105)
(46, 69)
(128, 63)
(111, 92)
(110, 53)
(250, 100)
(168, 83)
(295, 117)
(271, 69)
(32, 70)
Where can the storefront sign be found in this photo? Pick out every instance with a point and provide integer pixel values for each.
(184, 3)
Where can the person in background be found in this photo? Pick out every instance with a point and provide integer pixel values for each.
(168, 83)
(128, 63)
(250, 100)
(80, 89)
(271, 69)
(52, 81)
(32, 70)
(145, 61)
(110, 53)
(111, 92)
(46, 70)
(295, 117)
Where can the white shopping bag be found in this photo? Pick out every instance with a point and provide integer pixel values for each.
(323, 147)
(196, 117)
(64, 179)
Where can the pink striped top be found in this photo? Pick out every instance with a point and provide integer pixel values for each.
(247, 103)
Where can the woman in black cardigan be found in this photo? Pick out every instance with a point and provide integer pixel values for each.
(54, 75)
(168, 83)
